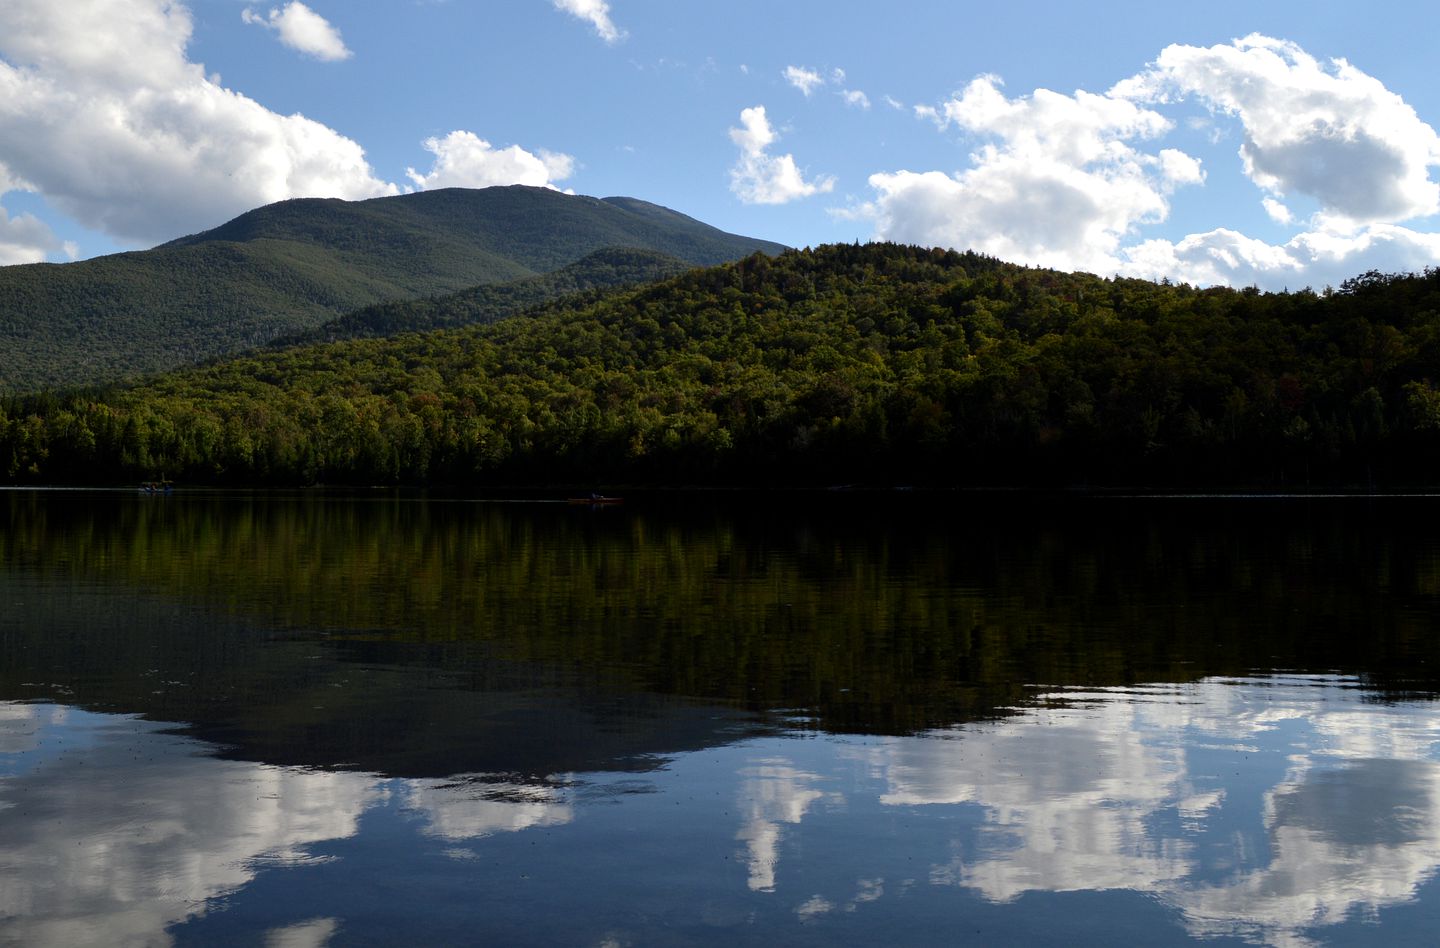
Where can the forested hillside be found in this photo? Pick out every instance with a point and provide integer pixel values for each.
(604, 269)
(290, 267)
(878, 364)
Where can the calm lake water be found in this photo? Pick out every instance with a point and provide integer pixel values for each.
(325, 720)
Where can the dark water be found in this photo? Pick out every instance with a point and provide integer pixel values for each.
(307, 720)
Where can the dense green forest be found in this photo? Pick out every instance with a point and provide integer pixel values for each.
(876, 364)
(290, 267)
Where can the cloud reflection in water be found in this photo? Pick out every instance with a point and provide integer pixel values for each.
(1261, 809)
(115, 830)
(1130, 789)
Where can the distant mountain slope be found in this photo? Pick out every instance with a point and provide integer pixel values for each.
(604, 269)
(290, 267)
(534, 228)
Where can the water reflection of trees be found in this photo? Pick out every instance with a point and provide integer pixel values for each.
(883, 617)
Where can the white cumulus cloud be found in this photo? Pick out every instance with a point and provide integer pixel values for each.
(1057, 184)
(103, 113)
(596, 13)
(1331, 133)
(759, 177)
(464, 160)
(302, 29)
(1328, 132)
(1072, 181)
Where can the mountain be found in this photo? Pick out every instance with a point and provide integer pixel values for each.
(290, 267)
(881, 365)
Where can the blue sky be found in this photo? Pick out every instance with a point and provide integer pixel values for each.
(1280, 144)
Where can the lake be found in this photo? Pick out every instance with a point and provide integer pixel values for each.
(320, 719)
